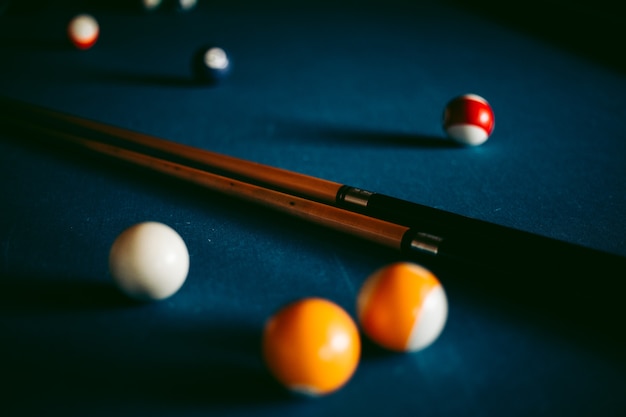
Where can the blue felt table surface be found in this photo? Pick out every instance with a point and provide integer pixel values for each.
(349, 94)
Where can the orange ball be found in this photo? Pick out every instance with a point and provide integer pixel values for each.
(402, 307)
(312, 346)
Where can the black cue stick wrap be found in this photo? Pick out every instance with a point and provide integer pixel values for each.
(474, 242)
(427, 219)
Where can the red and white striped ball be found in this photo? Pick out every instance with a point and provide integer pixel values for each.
(83, 31)
(468, 119)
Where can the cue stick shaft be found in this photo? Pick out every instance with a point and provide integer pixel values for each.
(375, 230)
(252, 172)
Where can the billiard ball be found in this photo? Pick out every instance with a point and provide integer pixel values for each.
(211, 64)
(149, 261)
(468, 119)
(185, 5)
(83, 31)
(402, 307)
(150, 5)
(312, 346)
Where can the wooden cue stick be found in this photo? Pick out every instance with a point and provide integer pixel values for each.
(270, 177)
(372, 229)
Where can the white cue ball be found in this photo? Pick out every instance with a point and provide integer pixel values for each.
(149, 261)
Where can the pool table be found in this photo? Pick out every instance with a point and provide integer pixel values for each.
(347, 91)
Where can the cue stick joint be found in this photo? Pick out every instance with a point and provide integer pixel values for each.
(352, 196)
(421, 242)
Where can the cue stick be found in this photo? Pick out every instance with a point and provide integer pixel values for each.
(427, 231)
(369, 228)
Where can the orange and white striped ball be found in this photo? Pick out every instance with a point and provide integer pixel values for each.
(402, 307)
(83, 31)
(468, 120)
(312, 346)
